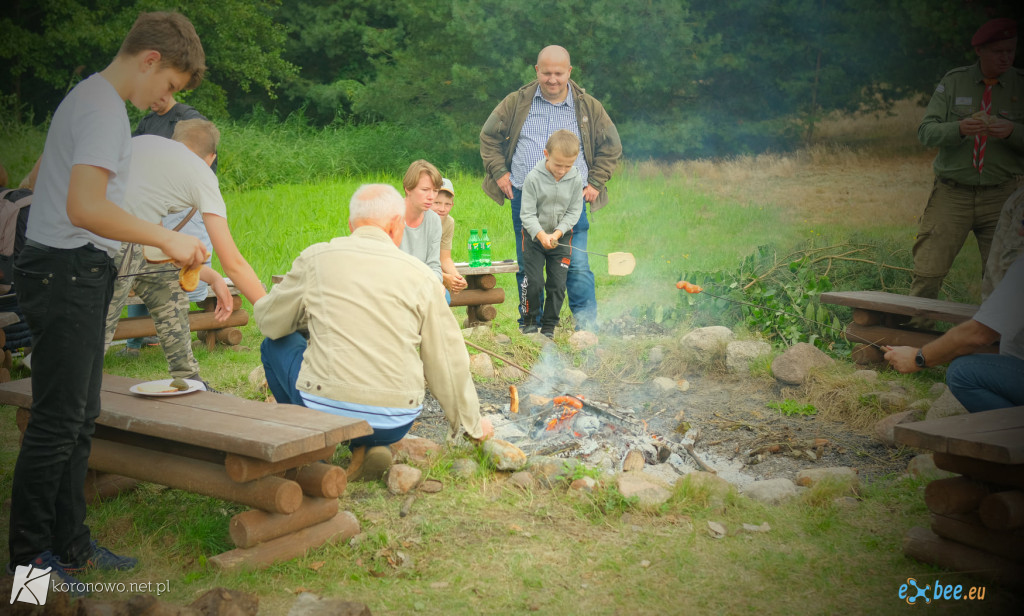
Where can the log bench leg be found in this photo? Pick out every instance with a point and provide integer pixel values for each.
(342, 526)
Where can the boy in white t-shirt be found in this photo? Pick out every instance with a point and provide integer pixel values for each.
(64, 277)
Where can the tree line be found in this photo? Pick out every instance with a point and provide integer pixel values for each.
(681, 78)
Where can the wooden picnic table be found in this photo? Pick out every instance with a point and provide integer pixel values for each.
(880, 318)
(264, 455)
(977, 517)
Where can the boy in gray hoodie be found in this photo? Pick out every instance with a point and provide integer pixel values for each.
(552, 203)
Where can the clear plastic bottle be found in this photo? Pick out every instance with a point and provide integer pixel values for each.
(485, 249)
(474, 248)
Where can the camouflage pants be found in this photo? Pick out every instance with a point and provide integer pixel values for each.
(953, 212)
(167, 303)
(1006, 244)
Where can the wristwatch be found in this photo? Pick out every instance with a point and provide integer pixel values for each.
(919, 359)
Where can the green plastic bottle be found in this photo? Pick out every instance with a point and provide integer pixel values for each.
(474, 248)
(485, 249)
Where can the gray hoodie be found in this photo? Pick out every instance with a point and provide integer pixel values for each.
(549, 204)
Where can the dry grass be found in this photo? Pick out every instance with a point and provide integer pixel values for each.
(879, 176)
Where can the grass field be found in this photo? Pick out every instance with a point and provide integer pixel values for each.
(480, 547)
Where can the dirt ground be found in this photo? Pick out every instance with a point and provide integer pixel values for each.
(726, 416)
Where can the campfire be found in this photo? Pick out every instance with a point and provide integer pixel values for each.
(595, 432)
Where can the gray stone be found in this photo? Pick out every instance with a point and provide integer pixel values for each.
(717, 488)
(481, 365)
(524, 480)
(665, 473)
(887, 401)
(573, 377)
(937, 389)
(656, 355)
(740, 353)
(795, 365)
(510, 373)
(771, 491)
(810, 476)
(550, 470)
(662, 385)
(502, 339)
(258, 377)
(866, 375)
(402, 478)
(308, 604)
(582, 340)
(504, 455)
(921, 405)
(464, 468)
(648, 493)
(584, 485)
(846, 502)
(884, 427)
(708, 339)
(945, 406)
(214, 601)
(415, 449)
(923, 467)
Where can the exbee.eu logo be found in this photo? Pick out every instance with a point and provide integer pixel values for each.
(30, 585)
(913, 593)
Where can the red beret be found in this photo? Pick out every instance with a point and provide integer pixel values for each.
(995, 30)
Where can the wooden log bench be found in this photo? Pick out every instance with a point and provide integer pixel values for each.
(201, 321)
(266, 456)
(481, 292)
(879, 318)
(977, 517)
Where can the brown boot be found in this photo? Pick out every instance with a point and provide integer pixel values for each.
(376, 464)
(355, 465)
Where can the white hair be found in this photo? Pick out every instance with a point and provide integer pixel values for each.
(375, 202)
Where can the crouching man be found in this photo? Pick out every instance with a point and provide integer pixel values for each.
(377, 326)
(980, 381)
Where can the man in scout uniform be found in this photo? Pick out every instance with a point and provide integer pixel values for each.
(976, 119)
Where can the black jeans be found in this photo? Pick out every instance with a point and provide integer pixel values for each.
(537, 260)
(64, 295)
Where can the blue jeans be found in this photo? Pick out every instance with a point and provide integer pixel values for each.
(64, 295)
(579, 283)
(282, 359)
(984, 382)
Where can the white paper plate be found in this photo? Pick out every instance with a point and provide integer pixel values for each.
(163, 388)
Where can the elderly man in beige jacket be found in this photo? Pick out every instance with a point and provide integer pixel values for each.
(377, 324)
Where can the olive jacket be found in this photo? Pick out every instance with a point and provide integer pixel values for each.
(598, 136)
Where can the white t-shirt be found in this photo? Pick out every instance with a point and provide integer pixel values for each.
(167, 177)
(1003, 311)
(90, 127)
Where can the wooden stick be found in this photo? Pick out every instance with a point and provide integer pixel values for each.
(139, 327)
(992, 472)
(926, 546)
(339, 528)
(954, 495)
(1003, 510)
(406, 506)
(253, 527)
(318, 479)
(244, 468)
(968, 530)
(269, 493)
(502, 358)
(701, 463)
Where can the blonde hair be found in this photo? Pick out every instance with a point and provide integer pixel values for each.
(375, 202)
(418, 168)
(201, 136)
(563, 142)
(174, 36)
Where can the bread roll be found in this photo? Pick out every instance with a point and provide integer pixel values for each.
(188, 278)
(983, 116)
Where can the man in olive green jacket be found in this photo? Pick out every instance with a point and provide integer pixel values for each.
(512, 141)
(976, 119)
